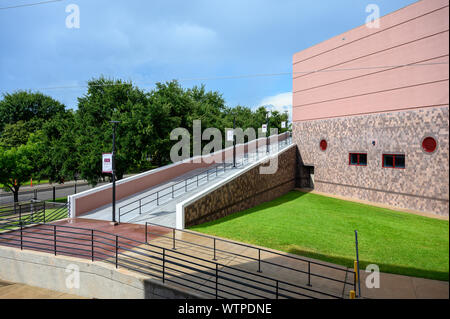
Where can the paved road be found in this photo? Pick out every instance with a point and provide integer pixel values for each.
(45, 193)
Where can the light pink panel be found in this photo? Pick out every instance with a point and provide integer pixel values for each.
(403, 15)
(415, 34)
(385, 81)
(418, 52)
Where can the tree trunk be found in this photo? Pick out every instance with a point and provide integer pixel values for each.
(16, 196)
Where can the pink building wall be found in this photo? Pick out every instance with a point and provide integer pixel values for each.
(379, 91)
(416, 34)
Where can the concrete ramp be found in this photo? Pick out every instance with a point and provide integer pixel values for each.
(158, 203)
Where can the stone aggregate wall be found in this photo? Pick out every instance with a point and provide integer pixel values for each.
(245, 191)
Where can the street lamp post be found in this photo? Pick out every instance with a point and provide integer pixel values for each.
(114, 173)
(234, 140)
(287, 126)
(267, 133)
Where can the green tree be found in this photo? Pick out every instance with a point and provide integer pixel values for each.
(15, 134)
(25, 106)
(58, 156)
(107, 100)
(170, 107)
(17, 166)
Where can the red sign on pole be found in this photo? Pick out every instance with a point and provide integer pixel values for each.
(107, 163)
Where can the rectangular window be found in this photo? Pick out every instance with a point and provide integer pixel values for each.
(394, 160)
(358, 159)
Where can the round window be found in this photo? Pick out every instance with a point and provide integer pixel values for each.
(323, 145)
(429, 144)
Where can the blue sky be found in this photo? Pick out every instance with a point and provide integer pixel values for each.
(149, 41)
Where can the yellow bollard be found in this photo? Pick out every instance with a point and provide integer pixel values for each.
(352, 294)
(356, 271)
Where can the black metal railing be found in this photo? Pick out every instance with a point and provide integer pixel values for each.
(210, 278)
(350, 277)
(32, 213)
(160, 197)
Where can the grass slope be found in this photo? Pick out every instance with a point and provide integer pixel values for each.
(323, 228)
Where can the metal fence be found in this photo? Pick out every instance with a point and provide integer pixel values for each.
(210, 278)
(45, 193)
(30, 213)
(350, 277)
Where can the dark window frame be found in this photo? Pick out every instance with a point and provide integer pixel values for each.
(393, 160)
(358, 161)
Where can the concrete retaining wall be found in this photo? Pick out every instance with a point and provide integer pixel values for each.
(97, 279)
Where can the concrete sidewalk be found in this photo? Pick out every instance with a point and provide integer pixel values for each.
(392, 286)
(195, 256)
(10, 290)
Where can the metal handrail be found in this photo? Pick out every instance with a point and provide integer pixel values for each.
(39, 213)
(53, 242)
(172, 187)
(259, 249)
(184, 181)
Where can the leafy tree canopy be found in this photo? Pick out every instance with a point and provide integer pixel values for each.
(25, 106)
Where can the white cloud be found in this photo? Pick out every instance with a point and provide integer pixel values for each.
(191, 32)
(281, 102)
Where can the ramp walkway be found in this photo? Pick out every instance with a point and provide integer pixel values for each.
(157, 204)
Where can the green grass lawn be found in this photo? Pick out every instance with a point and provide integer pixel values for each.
(31, 218)
(322, 227)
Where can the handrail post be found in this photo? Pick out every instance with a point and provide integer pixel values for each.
(20, 215)
(259, 260)
(214, 249)
(54, 238)
(157, 198)
(140, 206)
(146, 232)
(92, 244)
(173, 238)
(117, 251)
(164, 265)
(276, 293)
(309, 274)
(217, 279)
(21, 238)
